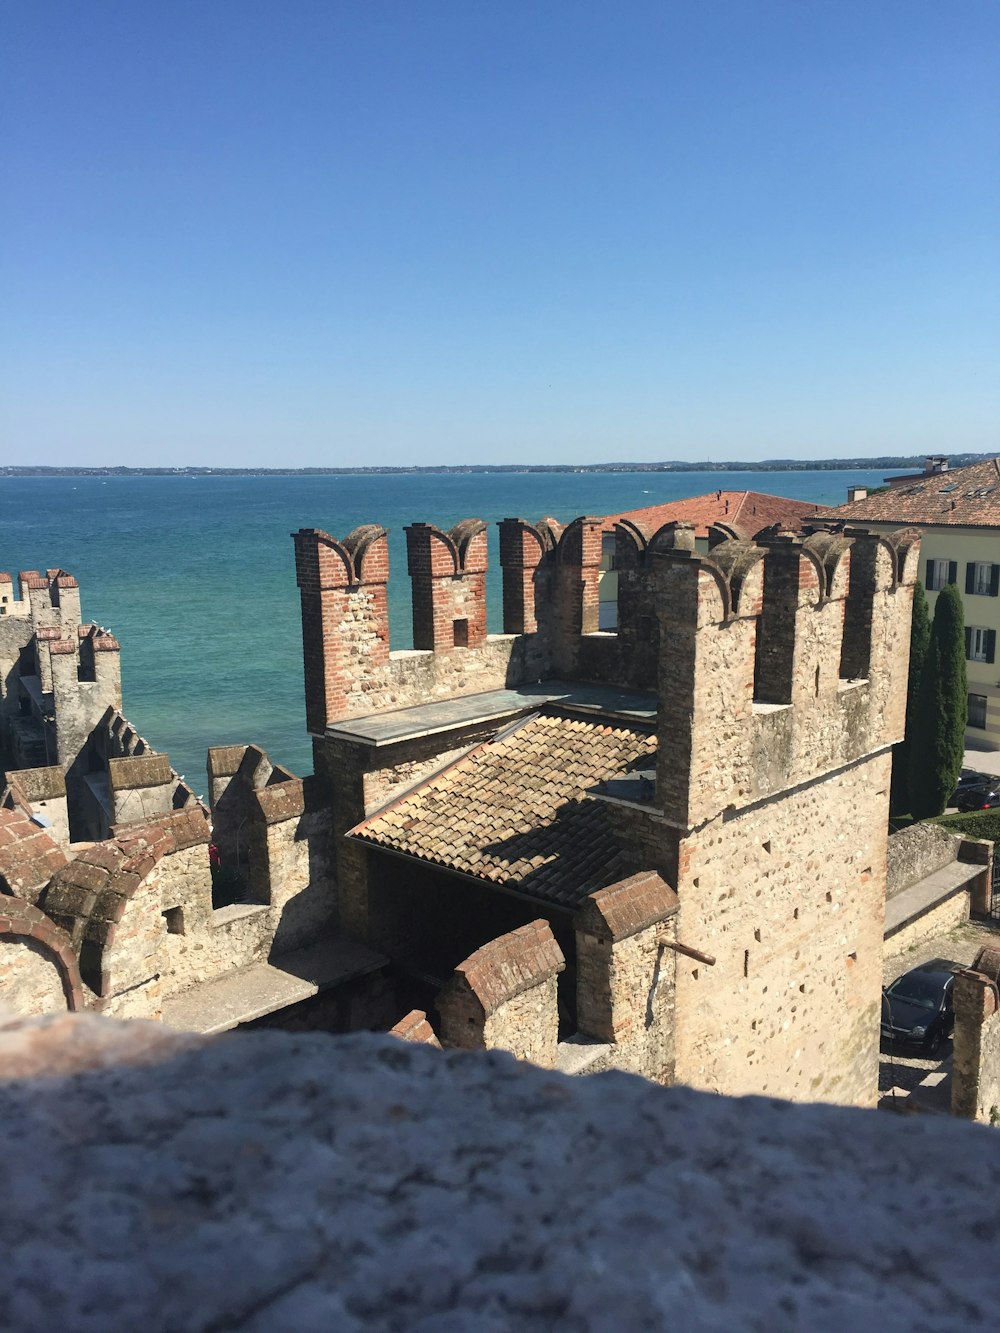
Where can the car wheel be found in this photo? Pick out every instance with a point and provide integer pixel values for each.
(934, 1042)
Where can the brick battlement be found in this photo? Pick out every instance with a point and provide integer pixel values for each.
(800, 615)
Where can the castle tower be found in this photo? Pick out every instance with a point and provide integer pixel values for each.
(772, 803)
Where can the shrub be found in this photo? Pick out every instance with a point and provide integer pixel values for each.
(920, 633)
(937, 748)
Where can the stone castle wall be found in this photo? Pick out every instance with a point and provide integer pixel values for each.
(788, 898)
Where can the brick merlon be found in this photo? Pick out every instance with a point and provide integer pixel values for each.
(625, 908)
(416, 1028)
(507, 966)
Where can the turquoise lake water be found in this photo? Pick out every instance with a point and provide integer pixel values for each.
(196, 575)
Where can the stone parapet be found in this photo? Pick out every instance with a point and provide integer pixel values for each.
(504, 996)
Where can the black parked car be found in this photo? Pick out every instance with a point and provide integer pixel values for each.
(969, 778)
(985, 796)
(917, 1008)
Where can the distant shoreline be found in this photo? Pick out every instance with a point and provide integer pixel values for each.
(766, 465)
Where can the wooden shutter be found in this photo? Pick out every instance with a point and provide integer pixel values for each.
(970, 576)
(968, 644)
(994, 580)
(953, 571)
(991, 643)
(928, 575)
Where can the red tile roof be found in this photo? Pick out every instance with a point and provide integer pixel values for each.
(746, 511)
(514, 811)
(28, 856)
(964, 497)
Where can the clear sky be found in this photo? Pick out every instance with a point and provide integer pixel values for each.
(298, 232)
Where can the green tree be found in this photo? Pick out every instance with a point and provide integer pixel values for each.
(937, 747)
(920, 633)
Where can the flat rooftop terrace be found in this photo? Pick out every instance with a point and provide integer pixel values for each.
(387, 728)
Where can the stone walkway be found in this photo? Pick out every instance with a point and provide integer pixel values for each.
(983, 761)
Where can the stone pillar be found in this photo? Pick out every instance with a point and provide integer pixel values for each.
(638, 623)
(975, 1086)
(522, 548)
(578, 572)
(708, 609)
(45, 636)
(345, 620)
(503, 997)
(625, 974)
(100, 664)
(448, 573)
(64, 594)
(871, 578)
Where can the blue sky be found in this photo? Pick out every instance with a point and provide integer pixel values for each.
(297, 232)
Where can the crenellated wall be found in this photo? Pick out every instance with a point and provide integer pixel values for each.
(752, 690)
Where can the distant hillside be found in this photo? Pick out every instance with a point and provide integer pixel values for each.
(766, 465)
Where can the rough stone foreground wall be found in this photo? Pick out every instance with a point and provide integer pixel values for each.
(788, 897)
(263, 1182)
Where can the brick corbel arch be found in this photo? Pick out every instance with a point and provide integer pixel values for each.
(21, 919)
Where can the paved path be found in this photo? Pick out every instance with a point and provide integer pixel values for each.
(983, 761)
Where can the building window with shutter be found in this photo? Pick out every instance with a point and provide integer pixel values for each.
(980, 644)
(940, 573)
(982, 579)
(977, 711)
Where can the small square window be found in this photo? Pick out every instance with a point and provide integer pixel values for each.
(174, 918)
(461, 629)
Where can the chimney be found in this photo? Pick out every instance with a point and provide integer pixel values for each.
(935, 465)
(856, 493)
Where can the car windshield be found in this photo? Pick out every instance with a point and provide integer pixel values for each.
(924, 992)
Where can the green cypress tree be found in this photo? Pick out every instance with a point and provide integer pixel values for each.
(920, 633)
(937, 748)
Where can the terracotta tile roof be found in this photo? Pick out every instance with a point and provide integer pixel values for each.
(747, 511)
(965, 497)
(513, 811)
(28, 856)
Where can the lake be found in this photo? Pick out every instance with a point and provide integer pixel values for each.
(195, 575)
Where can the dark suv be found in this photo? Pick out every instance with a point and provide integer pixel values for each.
(917, 1008)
